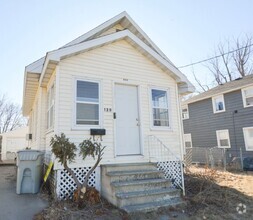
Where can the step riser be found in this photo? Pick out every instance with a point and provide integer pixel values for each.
(130, 167)
(154, 206)
(147, 198)
(136, 177)
(140, 187)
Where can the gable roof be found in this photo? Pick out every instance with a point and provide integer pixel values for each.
(127, 23)
(222, 89)
(38, 73)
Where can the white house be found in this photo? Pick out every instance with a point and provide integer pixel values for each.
(114, 78)
(12, 142)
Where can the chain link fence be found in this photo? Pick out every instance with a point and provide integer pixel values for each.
(212, 157)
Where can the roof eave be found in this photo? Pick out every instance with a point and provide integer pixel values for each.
(31, 83)
(54, 57)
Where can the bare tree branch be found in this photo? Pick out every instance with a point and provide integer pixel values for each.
(10, 115)
(203, 87)
(242, 56)
(226, 58)
(227, 66)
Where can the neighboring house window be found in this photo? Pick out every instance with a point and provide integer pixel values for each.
(160, 108)
(87, 103)
(248, 138)
(218, 104)
(247, 95)
(50, 107)
(185, 112)
(223, 138)
(187, 140)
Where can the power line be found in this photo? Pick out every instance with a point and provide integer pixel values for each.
(211, 58)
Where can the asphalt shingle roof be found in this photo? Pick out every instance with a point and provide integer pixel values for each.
(222, 89)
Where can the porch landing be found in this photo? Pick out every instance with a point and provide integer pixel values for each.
(137, 187)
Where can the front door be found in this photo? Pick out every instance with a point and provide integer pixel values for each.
(127, 120)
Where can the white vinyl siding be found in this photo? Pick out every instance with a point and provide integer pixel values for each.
(160, 108)
(218, 104)
(87, 103)
(248, 138)
(187, 141)
(223, 140)
(247, 95)
(121, 63)
(50, 108)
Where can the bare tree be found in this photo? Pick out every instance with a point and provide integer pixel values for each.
(243, 57)
(230, 63)
(10, 115)
(202, 86)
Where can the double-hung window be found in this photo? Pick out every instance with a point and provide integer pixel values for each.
(218, 104)
(248, 138)
(247, 95)
(50, 107)
(185, 112)
(187, 140)
(223, 138)
(160, 108)
(87, 103)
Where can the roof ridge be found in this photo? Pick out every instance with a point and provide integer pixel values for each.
(222, 89)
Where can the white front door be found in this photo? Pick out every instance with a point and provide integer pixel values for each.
(127, 120)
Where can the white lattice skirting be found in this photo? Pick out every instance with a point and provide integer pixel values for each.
(66, 185)
(172, 171)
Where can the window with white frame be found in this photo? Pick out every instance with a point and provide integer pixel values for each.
(50, 106)
(187, 140)
(160, 108)
(247, 95)
(185, 112)
(223, 138)
(87, 103)
(218, 104)
(248, 138)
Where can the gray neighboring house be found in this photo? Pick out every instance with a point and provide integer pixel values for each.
(222, 117)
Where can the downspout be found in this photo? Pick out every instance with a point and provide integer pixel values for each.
(233, 117)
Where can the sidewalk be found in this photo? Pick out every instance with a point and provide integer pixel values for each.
(13, 206)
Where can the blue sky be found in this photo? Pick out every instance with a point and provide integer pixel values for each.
(186, 31)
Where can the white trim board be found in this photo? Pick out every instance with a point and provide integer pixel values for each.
(57, 55)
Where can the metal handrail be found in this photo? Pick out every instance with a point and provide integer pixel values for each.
(163, 153)
(162, 144)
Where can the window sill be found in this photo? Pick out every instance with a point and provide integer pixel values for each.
(84, 128)
(247, 106)
(161, 129)
(228, 147)
(219, 111)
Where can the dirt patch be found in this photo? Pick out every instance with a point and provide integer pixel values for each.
(67, 210)
(218, 195)
(210, 194)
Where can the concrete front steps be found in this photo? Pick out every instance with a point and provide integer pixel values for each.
(138, 187)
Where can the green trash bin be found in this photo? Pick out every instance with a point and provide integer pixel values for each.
(29, 171)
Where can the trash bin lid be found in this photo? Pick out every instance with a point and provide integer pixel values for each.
(29, 154)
